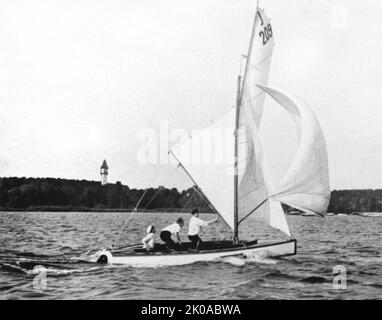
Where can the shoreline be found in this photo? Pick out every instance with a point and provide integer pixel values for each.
(68, 195)
(58, 209)
(86, 209)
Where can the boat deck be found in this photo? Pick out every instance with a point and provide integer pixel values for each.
(205, 246)
(209, 250)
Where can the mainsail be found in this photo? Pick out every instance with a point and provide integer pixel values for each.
(208, 158)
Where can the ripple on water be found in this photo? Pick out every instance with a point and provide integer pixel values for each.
(62, 239)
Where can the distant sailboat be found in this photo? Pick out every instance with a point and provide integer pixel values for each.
(371, 214)
(243, 190)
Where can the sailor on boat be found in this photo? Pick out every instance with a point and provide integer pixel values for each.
(195, 227)
(172, 229)
(149, 241)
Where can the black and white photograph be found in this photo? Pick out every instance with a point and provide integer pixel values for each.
(215, 150)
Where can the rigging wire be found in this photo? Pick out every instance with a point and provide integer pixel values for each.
(90, 251)
(134, 209)
(219, 234)
(139, 202)
(160, 189)
(189, 199)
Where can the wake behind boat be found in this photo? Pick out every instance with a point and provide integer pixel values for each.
(243, 189)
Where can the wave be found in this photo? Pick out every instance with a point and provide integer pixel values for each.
(277, 274)
(38, 267)
(31, 263)
(235, 261)
(314, 279)
(254, 257)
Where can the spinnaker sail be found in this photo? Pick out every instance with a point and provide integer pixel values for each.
(306, 184)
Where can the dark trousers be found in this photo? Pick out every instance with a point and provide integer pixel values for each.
(166, 238)
(196, 241)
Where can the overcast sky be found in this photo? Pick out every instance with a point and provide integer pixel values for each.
(80, 79)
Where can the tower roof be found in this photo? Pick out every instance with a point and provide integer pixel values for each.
(104, 165)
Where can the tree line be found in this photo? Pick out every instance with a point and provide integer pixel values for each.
(50, 194)
(349, 201)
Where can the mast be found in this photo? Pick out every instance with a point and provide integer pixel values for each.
(239, 99)
(236, 173)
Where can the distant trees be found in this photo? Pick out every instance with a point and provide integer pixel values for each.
(42, 193)
(63, 194)
(348, 201)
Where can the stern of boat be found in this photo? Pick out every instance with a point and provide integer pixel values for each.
(272, 249)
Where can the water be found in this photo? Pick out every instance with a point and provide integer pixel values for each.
(61, 238)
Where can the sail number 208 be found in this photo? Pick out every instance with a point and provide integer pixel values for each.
(267, 32)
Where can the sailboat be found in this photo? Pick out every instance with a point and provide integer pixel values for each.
(243, 189)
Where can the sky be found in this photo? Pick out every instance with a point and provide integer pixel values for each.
(80, 80)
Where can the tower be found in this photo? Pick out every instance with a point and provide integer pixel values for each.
(104, 172)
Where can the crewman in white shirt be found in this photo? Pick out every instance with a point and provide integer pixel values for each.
(172, 229)
(149, 241)
(195, 227)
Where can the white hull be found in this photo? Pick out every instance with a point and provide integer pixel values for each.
(265, 249)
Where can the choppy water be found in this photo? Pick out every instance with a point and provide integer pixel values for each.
(353, 242)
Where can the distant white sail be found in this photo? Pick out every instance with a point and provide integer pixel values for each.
(306, 183)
